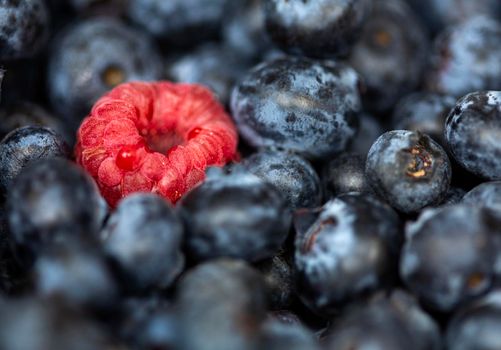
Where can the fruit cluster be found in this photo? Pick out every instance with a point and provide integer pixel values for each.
(250, 174)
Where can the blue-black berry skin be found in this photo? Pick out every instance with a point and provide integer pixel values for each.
(369, 130)
(279, 335)
(26, 145)
(22, 113)
(351, 249)
(471, 131)
(392, 322)
(449, 255)
(439, 14)
(487, 194)
(215, 66)
(221, 306)
(236, 215)
(316, 28)
(453, 196)
(424, 112)
(476, 325)
(278, 274)
(291, 174)
(466, 58)
(76, 273)
(143, 235)
(24, 28)
(408, 169)
(344, 174)
(91, 57)
(297, 104)
(390, 55)
(181, 22)
(245, 30)
(52, 201)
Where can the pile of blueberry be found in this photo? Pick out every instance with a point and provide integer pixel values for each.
(361, 212)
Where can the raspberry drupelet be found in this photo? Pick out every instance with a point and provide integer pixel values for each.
(154, 137)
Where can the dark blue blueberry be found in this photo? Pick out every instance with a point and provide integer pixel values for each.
(24, 146)
(213, 65)
(236, 215)
(143, 235)
(245, 30)
(279, 335)
(21, 114)
(292, 175)
(344, 174)
(390, 55)
(93, 56)
(180, 22)
(424, 112)
(149, 324)
(75, 273)
(393, 322)
(278, 276)
(368, 132)
(30, 323)
(116, 6)
(487, 194)
(450, 255)
(298, 104)
(466, 58)
(52, 201)
(476, 326)
(471, 131)
(349, 250)
(408, 169)
(315, 28)
(438, 14)
(221, 306)
(453, 196)
(24, 28)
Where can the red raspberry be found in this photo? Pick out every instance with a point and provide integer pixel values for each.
(154, 137)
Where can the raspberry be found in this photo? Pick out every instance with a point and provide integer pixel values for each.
(154, 137)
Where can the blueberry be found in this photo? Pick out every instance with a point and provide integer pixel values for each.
(236, 215)
(424, 112)
(292, 175)
(369, 130)
(450, 255)
(315, 28)
(487, 194)
(408, 169)
(471, 131)
(26, 145)
(245, 30)
(24, 113)
(29, 323)
(392, 322)
(466, 57)
(143, 235)
(476, 326)
(438, 14)
(453, 196)
(149, 324)
(278, 276)
(77, 274)
(221, 306)
(344, 174)
(351, 249)
(24, 28)
(179, 22)
(298, 104)
(278, 335)
(52, 201)
(93, 56)
(212, 65)
(390, 55)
